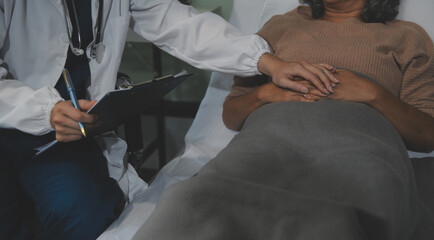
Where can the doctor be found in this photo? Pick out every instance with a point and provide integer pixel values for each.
(73, 193)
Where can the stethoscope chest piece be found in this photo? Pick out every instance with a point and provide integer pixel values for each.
(97, 52)
(97, 49)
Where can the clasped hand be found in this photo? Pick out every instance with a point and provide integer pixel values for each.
(354, 88)
(346, 87)
(284, 74)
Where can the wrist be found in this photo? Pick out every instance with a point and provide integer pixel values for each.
(260, 96)
(268, 63)
(375, 95)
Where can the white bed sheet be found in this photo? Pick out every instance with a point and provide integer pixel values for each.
(208, 135)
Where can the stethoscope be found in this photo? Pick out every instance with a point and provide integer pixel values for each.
(97, 48)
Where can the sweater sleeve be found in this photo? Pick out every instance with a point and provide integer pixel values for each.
(417, 64)
(244, 85)
(271, 31)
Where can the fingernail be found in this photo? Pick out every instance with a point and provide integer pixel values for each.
(333, 84)
(325, 89)
(331, 89)
(336, 80)
(304, 90)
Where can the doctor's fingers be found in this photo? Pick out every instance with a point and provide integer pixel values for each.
(312, 89)
(71, 112)
(329, 70)
(290, 72)
(85, 105)
(328, 67)
(67, 129)
(277, 94)
(318, 76)
(64, 124)
(65, 137)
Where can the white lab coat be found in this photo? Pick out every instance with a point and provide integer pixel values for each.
(34, 44)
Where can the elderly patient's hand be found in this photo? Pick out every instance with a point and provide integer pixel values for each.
(283, 74)
(353, 88)
(270, 93)
(65, 117)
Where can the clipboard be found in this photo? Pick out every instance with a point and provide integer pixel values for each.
(117, 106)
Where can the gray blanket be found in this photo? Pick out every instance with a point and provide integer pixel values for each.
(301, 171)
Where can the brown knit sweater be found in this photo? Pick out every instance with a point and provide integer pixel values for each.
(399, 54)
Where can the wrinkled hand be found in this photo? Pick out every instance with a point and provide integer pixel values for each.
(270, 93)
(283, 74)
(65, 117)
(314, 93)
(353, 88)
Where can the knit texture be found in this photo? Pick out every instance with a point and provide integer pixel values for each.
(399, 55)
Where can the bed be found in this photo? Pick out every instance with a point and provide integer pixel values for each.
(208, 135)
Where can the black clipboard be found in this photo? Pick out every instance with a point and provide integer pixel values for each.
(117, 106)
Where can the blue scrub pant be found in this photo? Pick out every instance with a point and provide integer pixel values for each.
(68, 189)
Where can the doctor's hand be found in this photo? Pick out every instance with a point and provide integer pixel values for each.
(270, 93)
(284, 74)
(65, 117)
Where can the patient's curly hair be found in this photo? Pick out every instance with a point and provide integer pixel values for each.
(374, 11)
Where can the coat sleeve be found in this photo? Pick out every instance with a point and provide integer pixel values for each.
(204, 40)
(22, 107)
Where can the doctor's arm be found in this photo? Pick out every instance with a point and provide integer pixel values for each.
(40, 111)
(22, 107)
(25, 108)
(64, 119)
(207, 41)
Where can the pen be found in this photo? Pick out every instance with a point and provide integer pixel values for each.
(71, 90)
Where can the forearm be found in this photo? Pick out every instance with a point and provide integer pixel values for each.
(204, 40)
(268, 63)
(415, 127)
(26, 109)
(237, 109)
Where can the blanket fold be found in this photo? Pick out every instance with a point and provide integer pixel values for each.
(299, 171)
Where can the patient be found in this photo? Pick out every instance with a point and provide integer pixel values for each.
(364, 38)
(319, 166)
